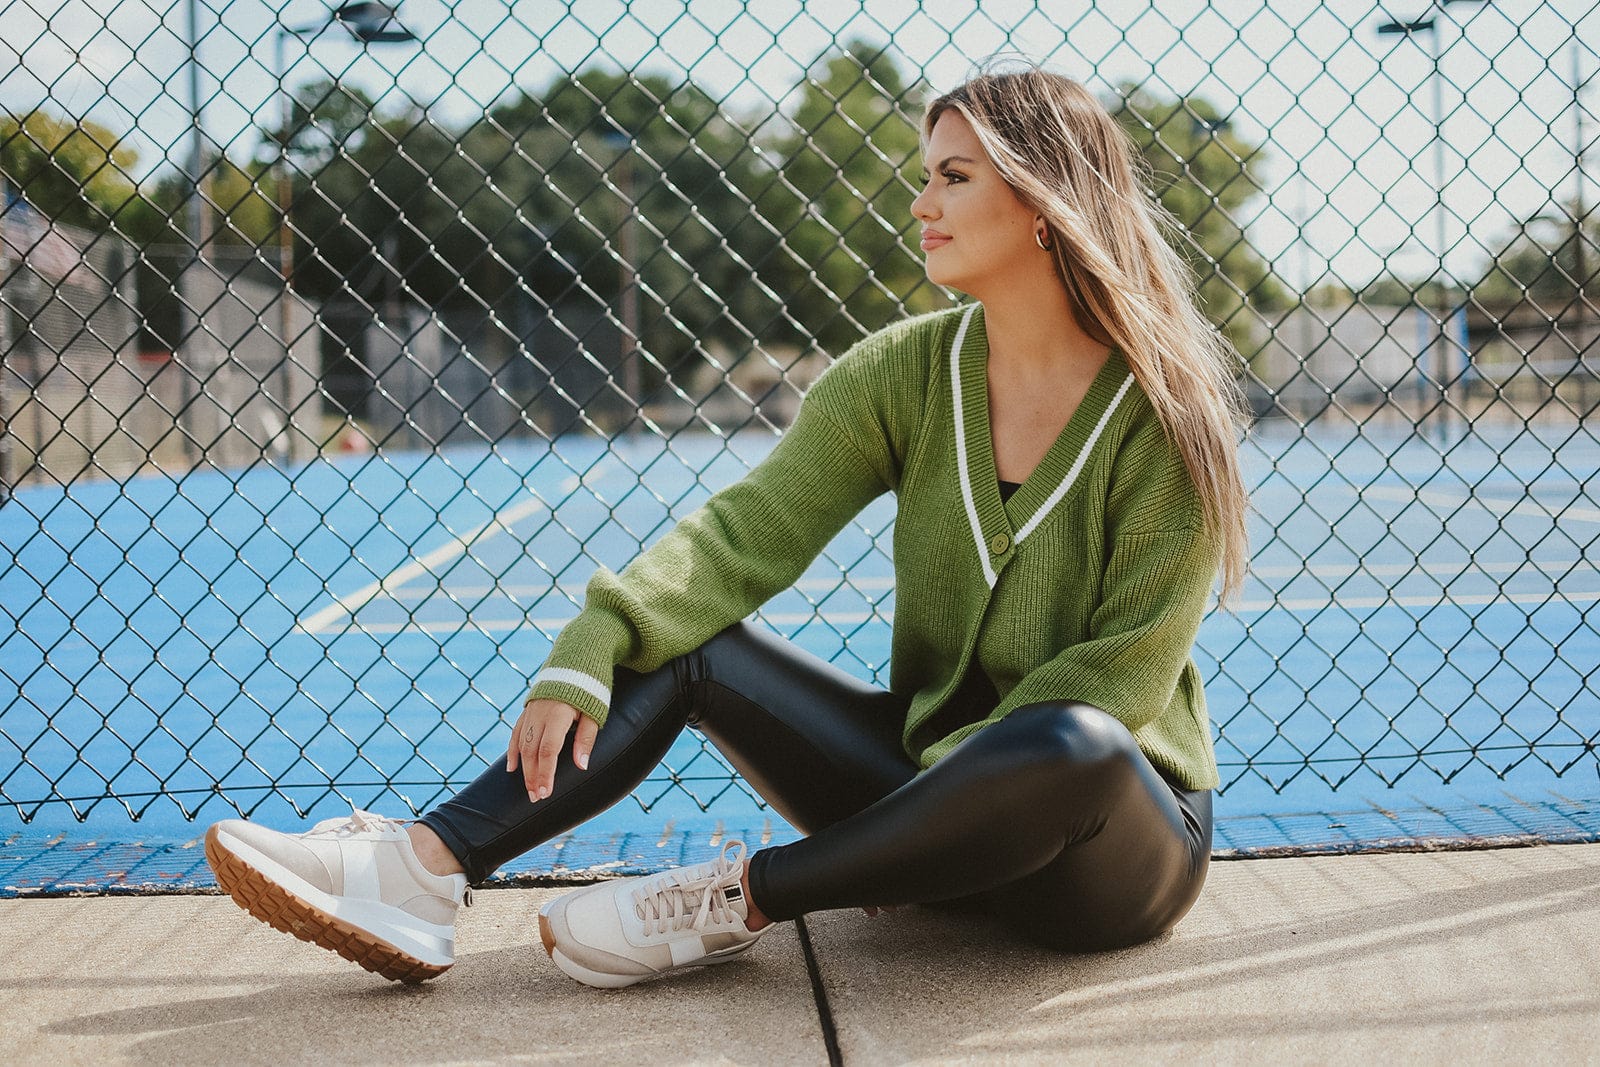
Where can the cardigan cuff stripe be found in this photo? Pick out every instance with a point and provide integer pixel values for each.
(593, 686)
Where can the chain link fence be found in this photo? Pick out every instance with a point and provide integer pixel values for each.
(341, 343)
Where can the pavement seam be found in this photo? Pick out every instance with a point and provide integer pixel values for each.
(819, 994)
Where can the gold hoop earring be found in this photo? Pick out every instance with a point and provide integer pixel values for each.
(1038, 239)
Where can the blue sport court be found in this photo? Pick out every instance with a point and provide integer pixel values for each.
(1413, 662)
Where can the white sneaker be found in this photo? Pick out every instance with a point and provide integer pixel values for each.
(616, 933)
(352, 885)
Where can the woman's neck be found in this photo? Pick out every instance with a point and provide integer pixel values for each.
(1031, 329)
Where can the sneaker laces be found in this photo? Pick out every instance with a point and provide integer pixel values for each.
(691, 897)
(357, 822)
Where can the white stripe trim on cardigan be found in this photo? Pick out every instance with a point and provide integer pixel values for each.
(961, 447)
(964, 472)
(1077, 464)
(566, 675)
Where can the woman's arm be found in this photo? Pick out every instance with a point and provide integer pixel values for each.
(749, 541)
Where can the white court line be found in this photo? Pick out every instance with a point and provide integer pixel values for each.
(538, 592)
(497, 626)
(349, 604)
(1519, 506)
(1588, 596)
(490, 626)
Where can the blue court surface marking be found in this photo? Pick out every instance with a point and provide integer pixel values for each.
(359, 620)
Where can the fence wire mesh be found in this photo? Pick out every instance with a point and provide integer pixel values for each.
(341, 343)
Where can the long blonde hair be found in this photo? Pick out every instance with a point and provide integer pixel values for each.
(1067, 158)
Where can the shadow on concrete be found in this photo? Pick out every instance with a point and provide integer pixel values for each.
(1303, 951)
(495, 1005)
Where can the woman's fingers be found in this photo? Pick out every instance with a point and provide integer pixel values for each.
(536, 743)
(583, 743)
(512, 749)
(542, 773)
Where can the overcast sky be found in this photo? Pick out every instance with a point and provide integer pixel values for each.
(1349, 112)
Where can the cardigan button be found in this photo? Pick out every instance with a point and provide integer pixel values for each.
(999, 543)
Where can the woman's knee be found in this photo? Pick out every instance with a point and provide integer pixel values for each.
(679, 683)
(1073, 733)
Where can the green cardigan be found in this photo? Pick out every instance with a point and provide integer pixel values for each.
(1088, 584)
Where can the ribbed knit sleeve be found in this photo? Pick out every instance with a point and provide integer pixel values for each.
(745, 544)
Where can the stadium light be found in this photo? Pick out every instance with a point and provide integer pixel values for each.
(1429, 25)
(369, 23)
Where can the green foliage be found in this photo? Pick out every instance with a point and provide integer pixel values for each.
(734, 228)
(1205, 174)
(532, 203)
(324, 118)
(74, 171)
(604, 163)
(843, 207)
(1546, 260)
(245, 212)
(1392, 290)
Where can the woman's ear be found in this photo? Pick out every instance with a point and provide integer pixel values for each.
(1042, 235)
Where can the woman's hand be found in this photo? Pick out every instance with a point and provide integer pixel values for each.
(536, 742)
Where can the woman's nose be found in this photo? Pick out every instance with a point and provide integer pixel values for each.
(922, 205)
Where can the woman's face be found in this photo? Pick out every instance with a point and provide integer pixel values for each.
(976, 232)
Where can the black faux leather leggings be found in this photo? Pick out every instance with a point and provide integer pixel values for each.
(1051, 819)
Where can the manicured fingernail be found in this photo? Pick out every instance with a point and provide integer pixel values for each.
(543, 792)
(583, 761)
(531, 798)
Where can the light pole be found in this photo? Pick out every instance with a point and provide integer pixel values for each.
(199, 217)
(1580, 211)
(191, 304)
(1440, 341)
(628, 280)
(369, 23)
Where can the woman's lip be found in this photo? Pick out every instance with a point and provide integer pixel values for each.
(932, 240)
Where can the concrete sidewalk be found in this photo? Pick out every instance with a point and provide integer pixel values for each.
(1462, 957)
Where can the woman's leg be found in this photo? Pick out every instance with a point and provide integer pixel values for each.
(1052, 818)
(816, 743)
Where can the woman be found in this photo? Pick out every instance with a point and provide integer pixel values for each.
(1064, 455)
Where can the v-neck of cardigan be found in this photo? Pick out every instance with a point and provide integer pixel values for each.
(997, 520)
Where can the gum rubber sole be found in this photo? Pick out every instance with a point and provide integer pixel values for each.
(547, 936)
(281, 910)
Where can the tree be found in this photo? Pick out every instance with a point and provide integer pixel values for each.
(326, 118)
(73, 171)
(1392, 290)
(1548, 259)
(533, 205)
(604, 159)
(847, 259)
(1204, 174)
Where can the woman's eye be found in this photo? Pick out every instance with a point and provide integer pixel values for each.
(952, 177)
